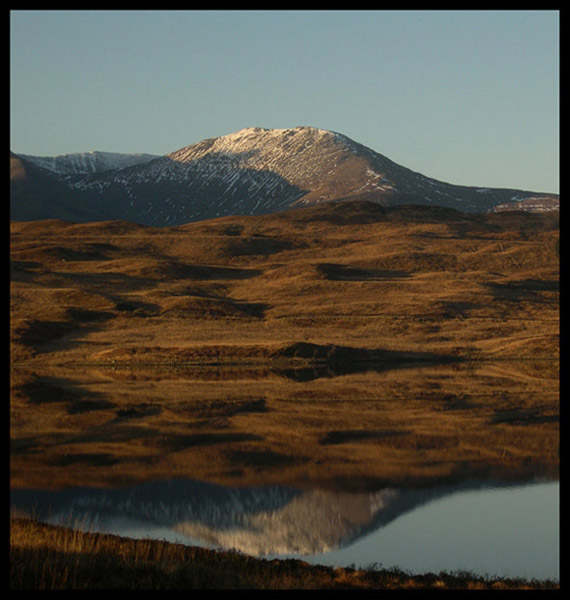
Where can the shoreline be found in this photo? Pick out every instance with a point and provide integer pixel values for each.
(52, 557)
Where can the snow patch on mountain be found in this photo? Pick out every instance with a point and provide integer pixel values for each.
(88, 162)
(251, 171)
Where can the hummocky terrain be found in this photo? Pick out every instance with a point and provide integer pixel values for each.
(294, 345)
(324, 265)
(250, 172)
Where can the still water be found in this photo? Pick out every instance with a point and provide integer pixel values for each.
(487, 528)
(105, 426)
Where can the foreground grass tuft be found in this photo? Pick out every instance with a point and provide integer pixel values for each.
(47, 557)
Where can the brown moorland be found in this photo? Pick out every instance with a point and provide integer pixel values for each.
(333, 343)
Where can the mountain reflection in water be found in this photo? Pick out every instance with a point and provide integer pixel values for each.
(271, 520)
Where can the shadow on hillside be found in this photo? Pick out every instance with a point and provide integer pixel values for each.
(338, 272)
(525, 289)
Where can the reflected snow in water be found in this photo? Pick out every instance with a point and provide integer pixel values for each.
(492, 528)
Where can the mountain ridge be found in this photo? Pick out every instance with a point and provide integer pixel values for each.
(251, 171)
(94, 161)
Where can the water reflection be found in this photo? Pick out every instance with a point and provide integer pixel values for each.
(389, 428)
(497, 531)
(260, 521)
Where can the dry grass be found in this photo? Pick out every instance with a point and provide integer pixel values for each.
(95, 427)
(277, 349)
(44, 557)
(374, 278)
(297, 327)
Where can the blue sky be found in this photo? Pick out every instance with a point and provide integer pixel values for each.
(467, 97)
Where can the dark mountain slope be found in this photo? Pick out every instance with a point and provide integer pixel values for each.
(253, 171)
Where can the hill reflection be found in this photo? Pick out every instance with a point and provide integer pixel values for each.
(259, 521)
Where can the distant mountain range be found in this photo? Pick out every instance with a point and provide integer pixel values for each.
(253, 171)
(87, 162)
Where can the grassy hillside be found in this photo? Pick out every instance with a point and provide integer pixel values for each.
(404, 279)
(289, 347)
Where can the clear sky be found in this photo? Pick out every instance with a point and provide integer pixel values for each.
(467, 97)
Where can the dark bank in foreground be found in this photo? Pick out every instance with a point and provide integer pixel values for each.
(48, 557)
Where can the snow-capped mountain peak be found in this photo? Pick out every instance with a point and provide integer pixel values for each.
(251, 171)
